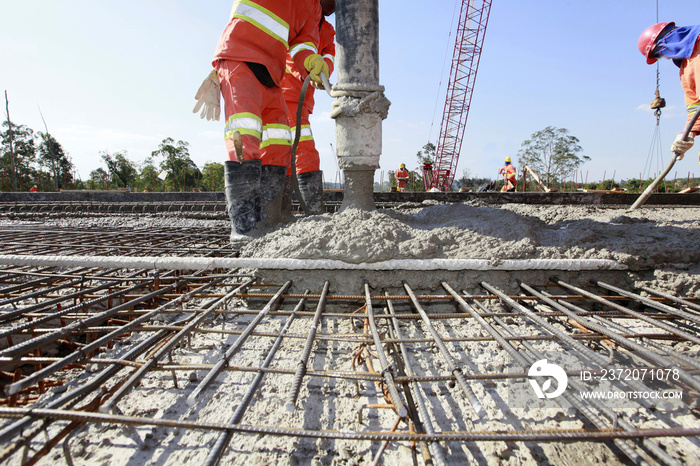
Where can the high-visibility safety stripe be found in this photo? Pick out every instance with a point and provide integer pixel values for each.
(262, 18)
(244, 123)
(330, 57)
(303, 46)
(305, 133)
(692, 108)
(276, 134)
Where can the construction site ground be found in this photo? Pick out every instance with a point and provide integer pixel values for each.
(346, 343)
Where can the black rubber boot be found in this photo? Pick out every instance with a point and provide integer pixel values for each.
(272, 179)
(287, 215)
(242, 188)
(311, 188)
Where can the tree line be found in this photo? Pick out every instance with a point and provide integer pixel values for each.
(169, 168)
(29, 158)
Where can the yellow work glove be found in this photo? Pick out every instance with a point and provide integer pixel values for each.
(315, 65)
(208, 98)
(681, 146)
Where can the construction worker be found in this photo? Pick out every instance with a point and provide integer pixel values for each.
(249, 65)
(33, 189)
(307, 162)
(680, 44)
(509, 179)
(402, 177)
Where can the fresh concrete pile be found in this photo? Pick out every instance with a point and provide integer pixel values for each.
(655, 243)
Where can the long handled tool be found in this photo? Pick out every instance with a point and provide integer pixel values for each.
(650, 189)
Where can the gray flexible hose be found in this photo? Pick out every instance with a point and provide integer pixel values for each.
(297, 135)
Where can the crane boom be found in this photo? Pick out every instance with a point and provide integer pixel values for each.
(473, 19)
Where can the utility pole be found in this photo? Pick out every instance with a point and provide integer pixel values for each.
(11, 139)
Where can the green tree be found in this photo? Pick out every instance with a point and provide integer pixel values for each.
(426, 154)
(213, 176)
(182, 171)
(148, 176)
(122, 170)
(52, 157)
(22, 169)
(99, 179)
(552, 152)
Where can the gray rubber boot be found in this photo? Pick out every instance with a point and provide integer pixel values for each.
(272, 179)
(311, 188)
(287, 215)
(242, 188)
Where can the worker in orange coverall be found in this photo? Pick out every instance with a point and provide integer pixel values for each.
(682, 45)
(508, 172)
(249, 65)
(402, 177)
(307, 162)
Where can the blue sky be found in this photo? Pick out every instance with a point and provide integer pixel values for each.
(122, 76)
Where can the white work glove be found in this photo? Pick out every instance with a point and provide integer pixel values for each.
(680, 146)
(208, 98)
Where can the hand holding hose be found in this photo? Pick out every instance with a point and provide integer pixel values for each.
(316, 65)
(680, 146)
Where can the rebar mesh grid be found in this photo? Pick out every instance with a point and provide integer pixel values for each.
(217, 366)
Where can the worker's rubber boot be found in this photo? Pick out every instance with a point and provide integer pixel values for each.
(272, 179)
(287, 215)
(311, 189)
(242, 188)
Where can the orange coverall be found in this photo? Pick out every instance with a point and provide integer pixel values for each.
(690, 81)
(509, 172)
(402, 178)
(260, 32)
(307, 159)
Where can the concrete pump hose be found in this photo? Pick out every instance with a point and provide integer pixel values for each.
(297, 136)
(210, 263)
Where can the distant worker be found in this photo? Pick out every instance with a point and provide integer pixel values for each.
(509, 179)
(33, 189)
(307, 162)
(249, 64)
(402, 177)
(680, 44)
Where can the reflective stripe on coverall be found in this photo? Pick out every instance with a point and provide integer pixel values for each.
(307, 159)
(258, 113)
(261, 32)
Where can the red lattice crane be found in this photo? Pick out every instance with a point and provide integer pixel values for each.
(473, 18)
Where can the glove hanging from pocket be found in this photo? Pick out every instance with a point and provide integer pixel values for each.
(209, 98)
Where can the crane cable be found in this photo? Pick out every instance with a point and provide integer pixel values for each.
(442, 75)
(657, 104)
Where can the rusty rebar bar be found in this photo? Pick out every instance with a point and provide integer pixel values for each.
(224, 438)
(454, 368)
(235, 347)
(306, 353)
